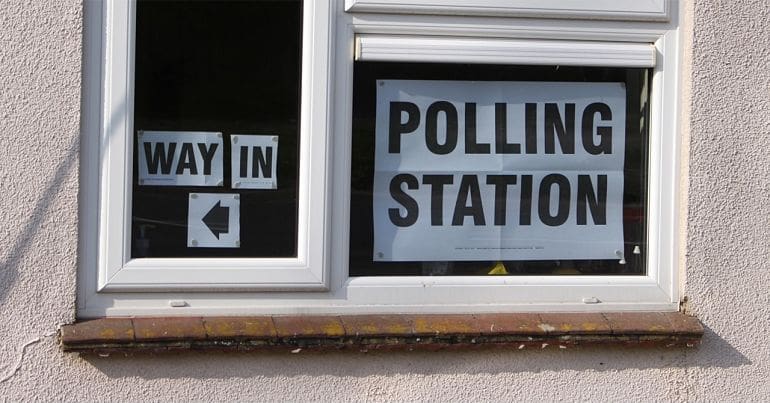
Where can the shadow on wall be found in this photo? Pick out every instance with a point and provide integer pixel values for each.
(9, 267)
(714, 352)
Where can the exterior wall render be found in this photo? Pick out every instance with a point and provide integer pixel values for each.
(726, 121)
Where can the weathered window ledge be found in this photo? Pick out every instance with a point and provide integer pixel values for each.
(378, 332)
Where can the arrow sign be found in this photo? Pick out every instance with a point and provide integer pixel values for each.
(213, 220)
(217, 219)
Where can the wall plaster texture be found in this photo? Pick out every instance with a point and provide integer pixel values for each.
(727, 119)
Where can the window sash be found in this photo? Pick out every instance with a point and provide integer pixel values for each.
(117, 271)
(656, 290)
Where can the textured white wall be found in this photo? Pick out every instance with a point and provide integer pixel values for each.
(728, 252)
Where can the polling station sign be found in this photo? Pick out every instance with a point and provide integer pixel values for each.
(498, 170)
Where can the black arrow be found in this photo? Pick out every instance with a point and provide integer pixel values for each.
(217, 219)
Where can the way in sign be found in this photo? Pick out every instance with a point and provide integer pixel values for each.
(213, 220)
(180, 158)
(160, 157)
(254, 161)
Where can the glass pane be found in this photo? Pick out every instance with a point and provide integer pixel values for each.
(415, 193)
(208, 74)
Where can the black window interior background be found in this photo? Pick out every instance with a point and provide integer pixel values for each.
(635, 168)
(219, 66)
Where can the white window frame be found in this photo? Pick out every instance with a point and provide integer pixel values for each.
(317, 280)
(112, 228)
(638, 10)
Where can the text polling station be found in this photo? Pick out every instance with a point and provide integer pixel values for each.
(498, 170)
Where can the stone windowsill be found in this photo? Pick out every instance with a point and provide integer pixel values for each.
(378, 332)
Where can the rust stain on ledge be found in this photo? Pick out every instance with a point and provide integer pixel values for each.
(516, 331)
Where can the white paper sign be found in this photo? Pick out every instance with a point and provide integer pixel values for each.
(498, 170)
(213, 220)
(254, 161)
(180, 158)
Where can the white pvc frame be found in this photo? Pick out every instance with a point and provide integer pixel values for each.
(117, 271)
(634, 10)
(335, 292)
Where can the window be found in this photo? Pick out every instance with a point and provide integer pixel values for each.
(178, 76)
(231, 157)
(484, 182)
